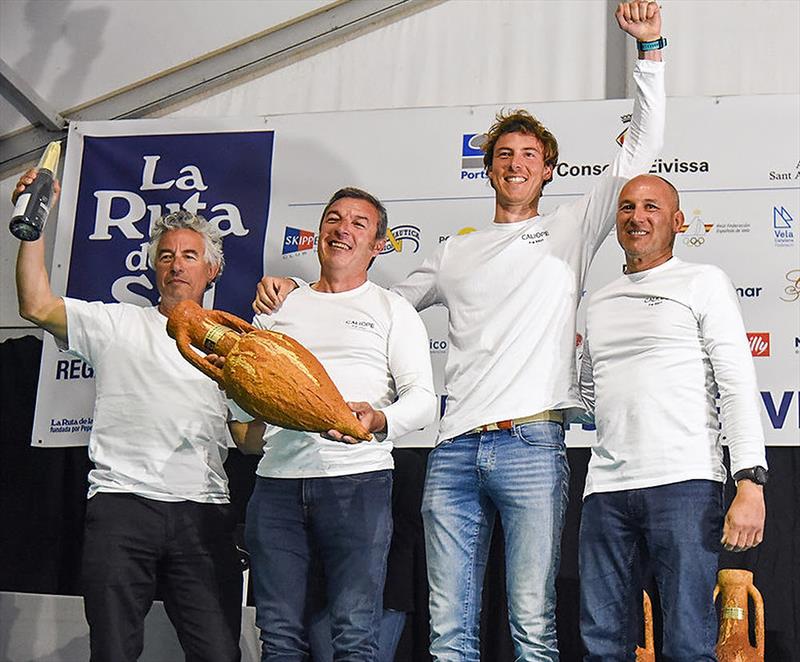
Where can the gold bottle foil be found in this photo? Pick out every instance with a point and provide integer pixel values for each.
(213, 336)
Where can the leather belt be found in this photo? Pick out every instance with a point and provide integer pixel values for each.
(552, 415)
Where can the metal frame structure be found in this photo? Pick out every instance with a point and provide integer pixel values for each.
(274, 48)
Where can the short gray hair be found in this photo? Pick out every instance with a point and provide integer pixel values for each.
(186, 220)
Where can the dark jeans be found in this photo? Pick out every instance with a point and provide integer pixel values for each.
(343, 522)
(676, 528)
(130, 545)
(392, 624)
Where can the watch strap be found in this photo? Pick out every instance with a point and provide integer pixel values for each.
(655, 45)
(757, 475)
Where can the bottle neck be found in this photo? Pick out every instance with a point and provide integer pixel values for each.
(220, 339)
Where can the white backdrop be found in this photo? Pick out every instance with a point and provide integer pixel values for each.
(735, 161)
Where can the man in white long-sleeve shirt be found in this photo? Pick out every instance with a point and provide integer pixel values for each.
(512, 291)
(662, 342)
(318, 499)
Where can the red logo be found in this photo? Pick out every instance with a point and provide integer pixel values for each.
(759, 344)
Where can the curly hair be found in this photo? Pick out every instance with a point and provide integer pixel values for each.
(520, 121)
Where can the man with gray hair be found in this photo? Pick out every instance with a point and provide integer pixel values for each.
(158, 513)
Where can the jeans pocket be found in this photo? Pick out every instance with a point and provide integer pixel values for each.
(444, 443)
(544, 434)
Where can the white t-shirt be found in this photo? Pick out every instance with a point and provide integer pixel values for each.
(374, 346)
(512, 290)
(159, 424)
(659, 346)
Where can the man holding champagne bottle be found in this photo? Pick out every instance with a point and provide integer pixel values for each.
(158, 513)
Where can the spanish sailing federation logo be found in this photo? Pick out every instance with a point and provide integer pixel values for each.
(694, 232)
(626, 120)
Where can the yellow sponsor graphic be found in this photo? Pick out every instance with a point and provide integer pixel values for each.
(393, 241)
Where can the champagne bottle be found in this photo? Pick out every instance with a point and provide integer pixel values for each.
(33, 204)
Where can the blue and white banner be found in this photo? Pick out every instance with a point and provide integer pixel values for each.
(119, 177)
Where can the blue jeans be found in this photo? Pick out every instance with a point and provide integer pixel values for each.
(676, 528)
(392, 624)
(343, 522)
(523, 475)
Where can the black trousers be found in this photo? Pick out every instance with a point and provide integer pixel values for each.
(133, 544)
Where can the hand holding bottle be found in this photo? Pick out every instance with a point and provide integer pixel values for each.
(34, 195)
(26, 179)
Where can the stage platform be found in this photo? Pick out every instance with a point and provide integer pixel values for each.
(52, 628)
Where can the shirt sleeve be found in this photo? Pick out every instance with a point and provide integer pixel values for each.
(410, 366)
(586, 378)
(263, 321)
(642, 144)
(420, 287)
(725, 341)
(91, 326)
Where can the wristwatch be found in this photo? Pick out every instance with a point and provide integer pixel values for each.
(757, 475)
(655, 45)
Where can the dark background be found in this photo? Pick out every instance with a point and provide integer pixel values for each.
(43, 498)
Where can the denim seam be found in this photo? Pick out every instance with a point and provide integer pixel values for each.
(624, 632)
(470, 582)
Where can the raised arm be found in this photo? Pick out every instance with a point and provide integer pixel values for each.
(642, 21)
(37, 303)
(644, 137)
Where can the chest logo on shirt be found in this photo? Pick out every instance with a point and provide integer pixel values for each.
(653, 301)
(535, 237)
(363, 325)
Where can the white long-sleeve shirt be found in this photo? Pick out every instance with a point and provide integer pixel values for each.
(512, 290)
(660, 344)
(374, 346)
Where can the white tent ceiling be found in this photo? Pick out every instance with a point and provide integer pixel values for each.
(74, 51)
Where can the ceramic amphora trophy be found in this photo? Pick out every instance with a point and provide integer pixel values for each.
(269, 375)
(734, 587)
(648, 652)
